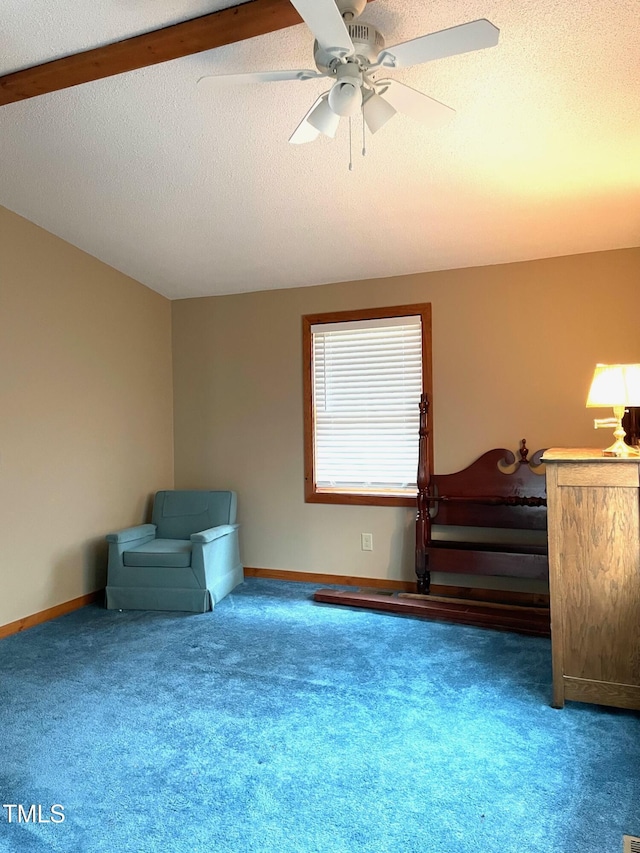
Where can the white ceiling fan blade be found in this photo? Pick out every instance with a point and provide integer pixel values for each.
(464, 38)
(325, 22)
(415, 104)
(258, 77)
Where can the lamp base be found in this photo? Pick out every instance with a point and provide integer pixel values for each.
(621, 450)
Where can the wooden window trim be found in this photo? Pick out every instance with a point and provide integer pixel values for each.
(311, 495)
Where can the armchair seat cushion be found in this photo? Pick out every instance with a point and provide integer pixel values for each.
(165, 553)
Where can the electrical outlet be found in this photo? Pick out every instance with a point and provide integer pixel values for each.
(366, 541)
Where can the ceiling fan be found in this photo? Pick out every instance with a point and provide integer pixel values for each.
(351, 54)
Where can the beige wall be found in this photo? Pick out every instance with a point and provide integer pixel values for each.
(514, 347)
(86, 425)
(88, 417)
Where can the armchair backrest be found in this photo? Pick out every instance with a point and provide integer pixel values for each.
(178, 514)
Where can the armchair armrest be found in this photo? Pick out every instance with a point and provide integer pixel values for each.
(130, 533)
(204, 536)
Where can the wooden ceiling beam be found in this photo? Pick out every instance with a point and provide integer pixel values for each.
(248, 20)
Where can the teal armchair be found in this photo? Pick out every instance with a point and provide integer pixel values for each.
(188, 558)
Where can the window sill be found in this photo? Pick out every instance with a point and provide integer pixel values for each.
(359, 498)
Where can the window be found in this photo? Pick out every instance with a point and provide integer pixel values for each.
(364, 372)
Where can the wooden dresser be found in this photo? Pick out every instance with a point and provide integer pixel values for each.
(593, 505)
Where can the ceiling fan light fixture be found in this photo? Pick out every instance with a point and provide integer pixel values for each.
(377, 112)
(345, 98)
(324, 119)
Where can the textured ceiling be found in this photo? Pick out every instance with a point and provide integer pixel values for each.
(196, 192)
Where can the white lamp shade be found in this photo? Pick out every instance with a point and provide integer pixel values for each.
(615, 385)
(345, 97)
(377, 112)
(324, 119)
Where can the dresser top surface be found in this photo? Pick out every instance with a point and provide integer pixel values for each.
(584, 454)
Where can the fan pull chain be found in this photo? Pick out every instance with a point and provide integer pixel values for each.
(364, 141)
(350, 148)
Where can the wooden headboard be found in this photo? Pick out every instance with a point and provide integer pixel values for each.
(497, 493)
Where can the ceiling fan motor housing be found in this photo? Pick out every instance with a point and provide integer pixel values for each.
(367, 41)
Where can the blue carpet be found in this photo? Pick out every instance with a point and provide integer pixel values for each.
(277, 725)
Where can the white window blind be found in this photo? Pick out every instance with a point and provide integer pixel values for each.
(367, 381)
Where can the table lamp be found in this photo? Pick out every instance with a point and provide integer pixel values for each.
(616, 385)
